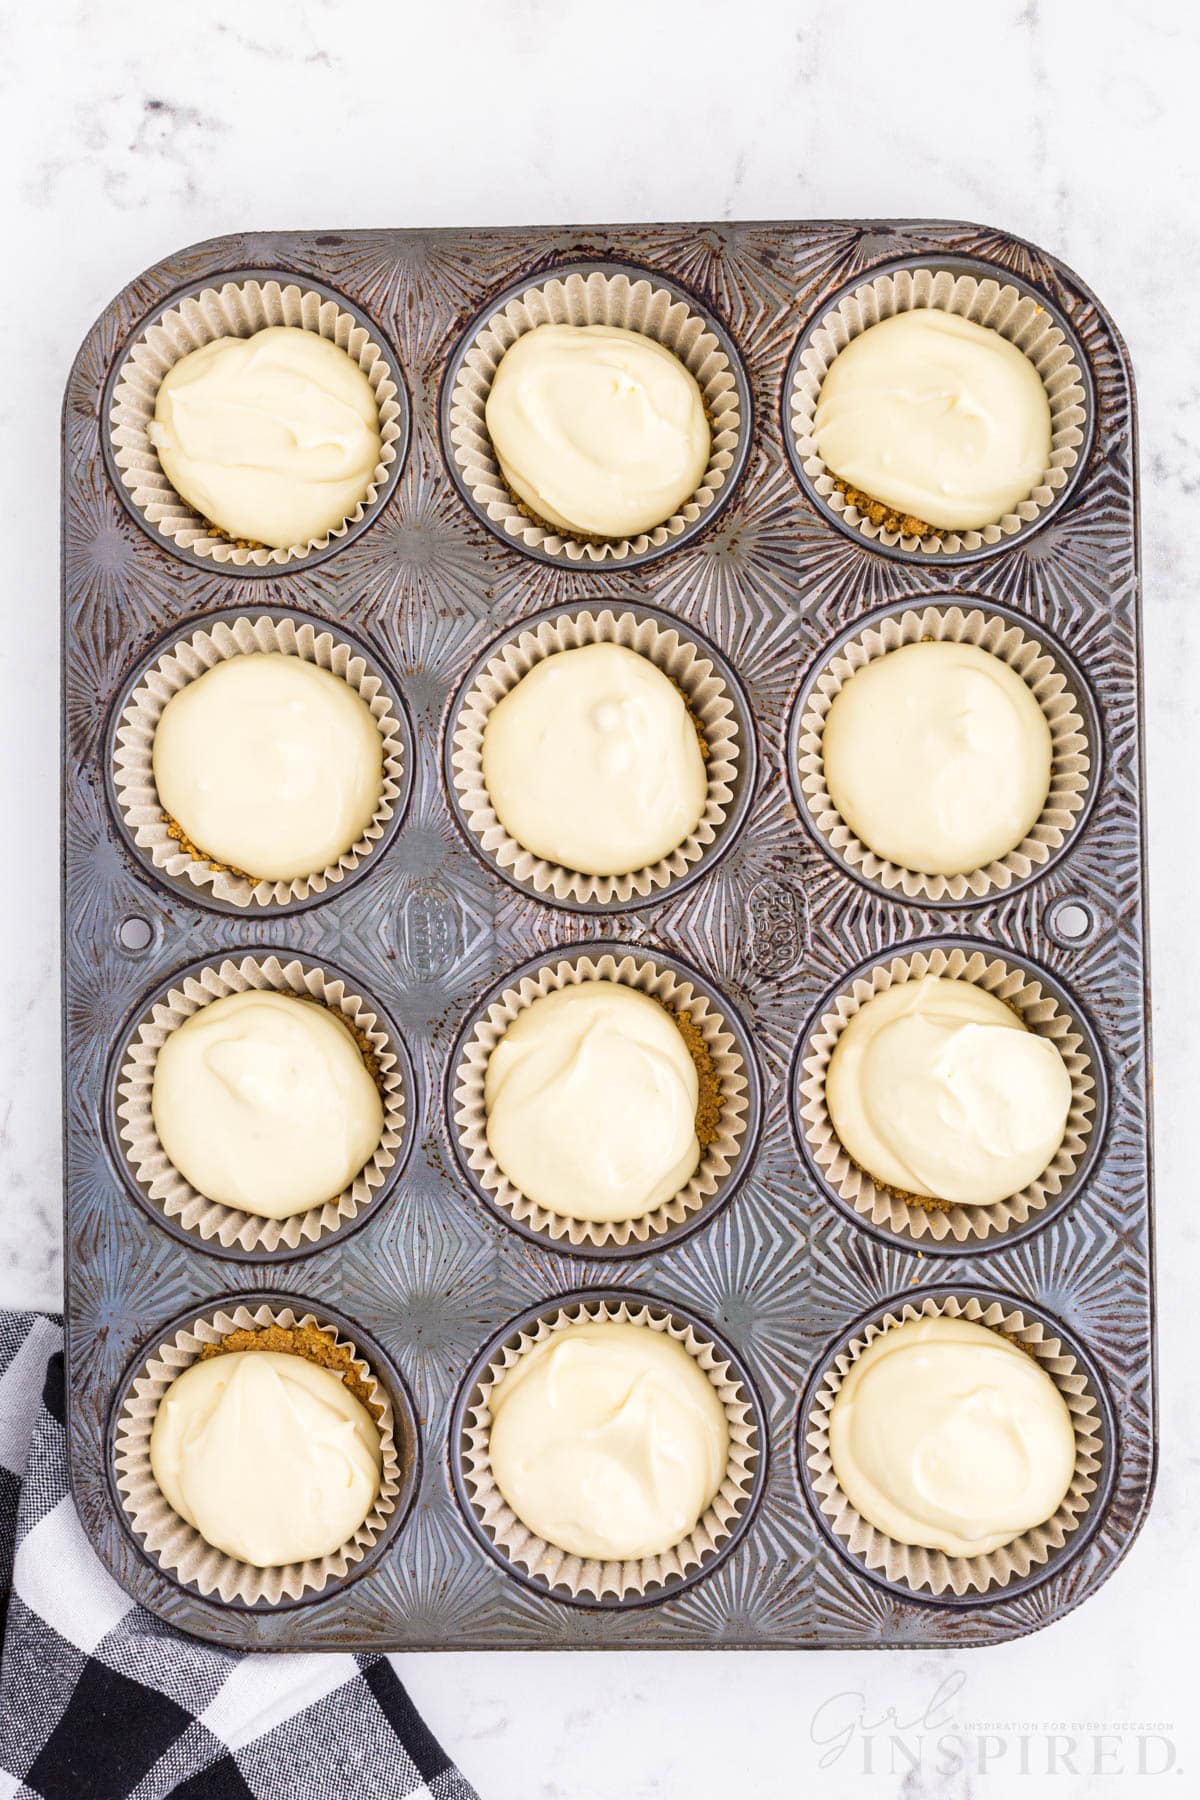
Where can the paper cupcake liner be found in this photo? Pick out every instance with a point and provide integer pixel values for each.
(597, 298)
(193, 655)
(934, 1570)
(703, 687)
(1018, 316)
(589, 1576)
(162, 1183)
(940, 1221)
(238, 309)
(176, 1546)
(1070, 776)
(678, 994)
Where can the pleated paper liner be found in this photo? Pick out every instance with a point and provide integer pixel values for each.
(679, 992)
(717, 712)
(165, 1188)
(580, 1577)
(191, 655)
(239, 308)
(1005, 306)
(176, 1546)
(596, 296)
(1073, 770)
(940, 1222)
(933, 1571)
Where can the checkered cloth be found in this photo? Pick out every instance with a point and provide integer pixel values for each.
(99, 1700)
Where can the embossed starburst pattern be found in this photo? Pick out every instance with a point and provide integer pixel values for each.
(780, 1272)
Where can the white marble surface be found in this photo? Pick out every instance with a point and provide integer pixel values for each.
(126, 132)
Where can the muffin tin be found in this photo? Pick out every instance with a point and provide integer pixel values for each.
(780, 1272)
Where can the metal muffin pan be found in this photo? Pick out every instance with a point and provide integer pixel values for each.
(427, 927)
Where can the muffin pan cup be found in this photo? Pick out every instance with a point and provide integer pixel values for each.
(241, 305)
(717, 704)
(634, 300)
(764, 926)
(188, 655)
(581, 1579)
(174, 1546)
(913, 1569)
(1051, 677)
(158, 1185)
(723, 1162)
(992, 296)
(1043, 1006)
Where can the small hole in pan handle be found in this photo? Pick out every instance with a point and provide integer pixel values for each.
(135, 934)
(1071, 922)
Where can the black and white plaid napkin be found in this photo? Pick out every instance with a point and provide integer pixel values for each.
(100, 1700)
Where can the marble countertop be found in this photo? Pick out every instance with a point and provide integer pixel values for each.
(125, 134)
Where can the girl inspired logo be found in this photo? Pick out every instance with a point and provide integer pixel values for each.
(933, 1740)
